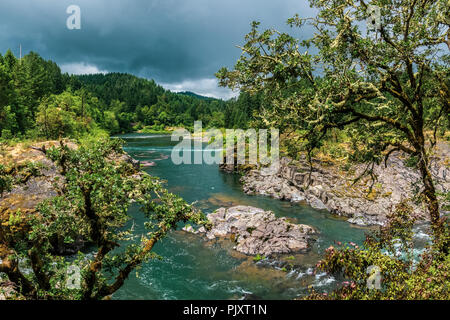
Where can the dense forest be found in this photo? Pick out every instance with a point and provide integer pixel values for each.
(37, 100)
(372, 94)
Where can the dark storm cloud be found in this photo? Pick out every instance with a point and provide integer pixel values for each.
(172, 41)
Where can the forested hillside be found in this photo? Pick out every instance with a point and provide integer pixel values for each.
(37, 100)
(23, 85)
(135, 100)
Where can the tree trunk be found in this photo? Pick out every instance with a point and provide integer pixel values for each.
(25, 286)
(432, 202)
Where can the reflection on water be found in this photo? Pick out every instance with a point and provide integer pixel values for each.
(194, 268)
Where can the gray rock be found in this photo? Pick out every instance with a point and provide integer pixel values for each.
(298, 197)
(316, 203)
(329, 188)
(257, 231)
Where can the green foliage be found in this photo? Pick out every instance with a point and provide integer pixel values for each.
(64, 115)
(93, 136)
(5, 180)
(110, 122)
(386, 91)
(22, 85)
(358, 82)
(154, 129)
(412, 161)
(391, 250)
(136, 101)
(37, 100)
(239, 113)
(258, 257)
(6, 134)
(92, 208)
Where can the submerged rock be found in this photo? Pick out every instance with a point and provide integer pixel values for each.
(256, 231)
(148, 164)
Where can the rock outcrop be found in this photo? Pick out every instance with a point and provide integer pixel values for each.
(37, 178)
(7, 290)
(256, 231)
(330, 188)
(136, 164)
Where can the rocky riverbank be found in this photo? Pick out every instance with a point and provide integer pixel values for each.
(256, 232)
(36, 178)
(330, 187)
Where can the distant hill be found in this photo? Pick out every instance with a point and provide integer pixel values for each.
(33, 88)
(193, 94)
(146, 102)
(142, 101)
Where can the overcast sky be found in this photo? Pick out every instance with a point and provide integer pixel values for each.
(179, 43)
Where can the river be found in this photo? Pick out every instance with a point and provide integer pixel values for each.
(193, 268)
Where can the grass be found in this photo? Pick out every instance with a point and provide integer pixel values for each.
(258, 257)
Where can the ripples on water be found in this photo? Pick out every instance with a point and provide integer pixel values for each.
(193, 268)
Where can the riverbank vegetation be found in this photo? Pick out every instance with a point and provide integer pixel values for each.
(94, 188)
(387, 90)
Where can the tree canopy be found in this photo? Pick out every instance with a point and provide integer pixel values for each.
(37, 100)
(92, 207)
(390, 86)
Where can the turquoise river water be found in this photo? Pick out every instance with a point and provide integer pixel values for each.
(193, 268)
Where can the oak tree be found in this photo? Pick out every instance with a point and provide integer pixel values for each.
(391, 85)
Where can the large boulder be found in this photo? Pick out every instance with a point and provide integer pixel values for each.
(257, 231)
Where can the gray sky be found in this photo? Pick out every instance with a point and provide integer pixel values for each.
(179, 43)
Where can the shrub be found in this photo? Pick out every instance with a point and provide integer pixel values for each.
(391, 252)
